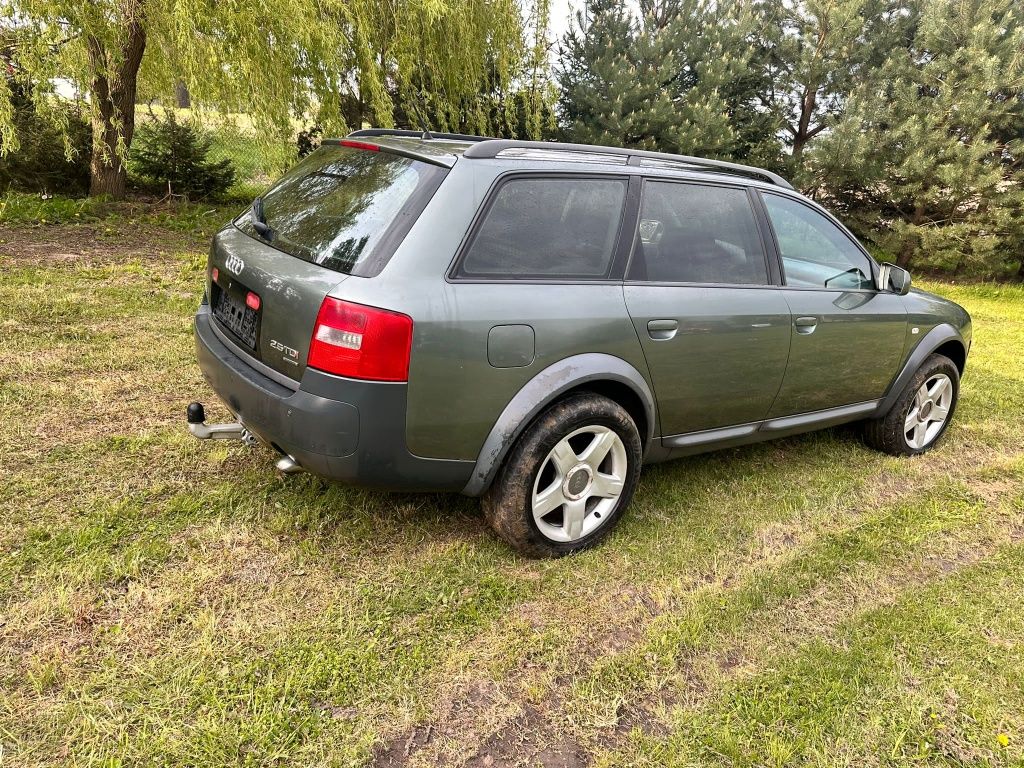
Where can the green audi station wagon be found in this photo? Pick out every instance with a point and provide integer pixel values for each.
(532, 322)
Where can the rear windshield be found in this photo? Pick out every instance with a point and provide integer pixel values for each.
(343, 208)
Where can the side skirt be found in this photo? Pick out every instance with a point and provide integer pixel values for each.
(757, 431)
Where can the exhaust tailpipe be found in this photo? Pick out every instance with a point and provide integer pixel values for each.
(287, 465)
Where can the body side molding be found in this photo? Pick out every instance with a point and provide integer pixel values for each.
(545, 388)
(710, 436)
(769, 429)
(820, 419)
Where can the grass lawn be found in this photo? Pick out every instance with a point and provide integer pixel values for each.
(170, 602)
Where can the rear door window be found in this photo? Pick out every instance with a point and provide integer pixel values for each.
(697, 233)
(547, 228)
(346, 209)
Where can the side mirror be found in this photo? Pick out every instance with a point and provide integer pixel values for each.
(896, 279)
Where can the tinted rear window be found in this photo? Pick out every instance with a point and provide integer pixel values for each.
(346, 209)
(694, 233)
(548, 228)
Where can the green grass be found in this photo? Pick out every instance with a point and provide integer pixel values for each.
(170, 602)
(32, 209)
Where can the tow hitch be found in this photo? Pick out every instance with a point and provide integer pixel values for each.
(235, 430)
(199, 428)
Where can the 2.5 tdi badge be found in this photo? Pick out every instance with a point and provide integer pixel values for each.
(289, 355)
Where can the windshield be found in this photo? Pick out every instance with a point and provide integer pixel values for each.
(343, 208)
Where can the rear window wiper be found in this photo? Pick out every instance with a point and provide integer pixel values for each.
(259, 221)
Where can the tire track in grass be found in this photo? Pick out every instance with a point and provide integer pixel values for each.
(719, 612)
(541, 694)
(590, 620)
(726, 634)
(934, 676)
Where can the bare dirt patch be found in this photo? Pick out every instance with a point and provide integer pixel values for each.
(92, 244)
(529, 740)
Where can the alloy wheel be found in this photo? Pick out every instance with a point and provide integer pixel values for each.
(929, 411)
(579, 483)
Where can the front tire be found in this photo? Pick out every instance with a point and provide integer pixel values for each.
(922, 412)
(568, 479)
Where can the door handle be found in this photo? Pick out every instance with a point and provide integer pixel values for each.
(662, 330)
(805, 325)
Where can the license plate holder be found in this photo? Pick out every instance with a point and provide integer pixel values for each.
(241, 320)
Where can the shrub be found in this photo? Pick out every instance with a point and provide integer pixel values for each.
(309, 140)
(174, 156)
(41, 163)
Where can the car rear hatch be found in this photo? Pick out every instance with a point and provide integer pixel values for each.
(340, 212)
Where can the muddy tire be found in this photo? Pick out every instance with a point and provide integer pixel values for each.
(568, 479)
(922, 412)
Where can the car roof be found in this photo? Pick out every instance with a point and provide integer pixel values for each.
(445, 149)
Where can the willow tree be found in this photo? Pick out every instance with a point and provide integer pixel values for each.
(272, 61)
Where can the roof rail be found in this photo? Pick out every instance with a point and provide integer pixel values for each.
(493, 147)
(418, 134)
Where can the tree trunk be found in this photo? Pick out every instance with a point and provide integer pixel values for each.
(906, 253)
(803, 130)
(114, 86)
(181, 95)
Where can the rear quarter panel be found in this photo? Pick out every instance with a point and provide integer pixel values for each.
(455, 395)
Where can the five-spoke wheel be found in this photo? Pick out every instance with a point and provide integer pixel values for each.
(928, 411)
(921, 413)
(579, 483)
(568, 478)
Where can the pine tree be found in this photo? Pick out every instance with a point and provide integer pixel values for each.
(597, 74)
(815, 53)
(717, 78)
(930, 152)
(675, 77)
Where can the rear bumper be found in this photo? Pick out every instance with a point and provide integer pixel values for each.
(341, 429)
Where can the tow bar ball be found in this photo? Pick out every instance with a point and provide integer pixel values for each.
(196, 414)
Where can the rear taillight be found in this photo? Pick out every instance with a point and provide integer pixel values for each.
(361, 342)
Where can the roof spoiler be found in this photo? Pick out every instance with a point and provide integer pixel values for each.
(356, 140)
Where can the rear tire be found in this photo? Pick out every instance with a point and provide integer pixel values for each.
(568, 479)
(922, 412)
